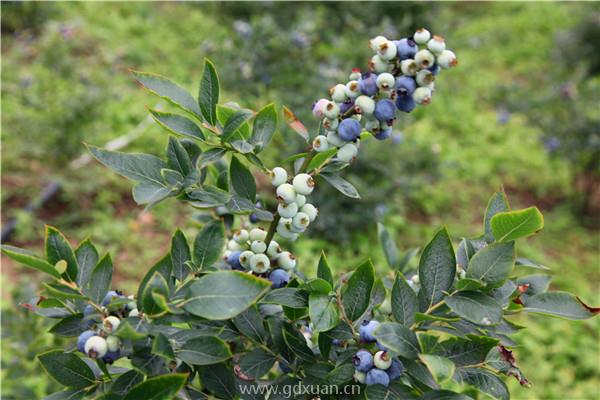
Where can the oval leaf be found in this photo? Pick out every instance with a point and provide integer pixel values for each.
(208, 97)
(493, 264)
(209, 244)
(475, 307)
(398, 338)
(168, 90)
(437, 268)
(67, 369)
(204, 350)
(357, 295)
(158, 388)
(513, 225)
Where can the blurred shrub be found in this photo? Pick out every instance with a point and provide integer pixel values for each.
(25, 15)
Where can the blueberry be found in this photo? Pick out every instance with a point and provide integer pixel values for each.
(254, 218)
(234, 260)
(382, 360)
(109, 296)
(435, 69)
(111, 356)
(279, 278)
(385, 110)
(368, 84)
(366, 331)
(377, 376)
(336, 342)
(83, 338)
(345, 106)
(405, 103)
(363, 361)
(95, 347)
(405, 86)
(407, 48)
(383, 134)
(349, 129)
(395, 370)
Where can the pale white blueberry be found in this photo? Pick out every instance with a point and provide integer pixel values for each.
(320, 144)
(319, 108)
(278, 176)
(364, 105)
(436, 45)
(274, 249)
(258, 246)
(424, 58)
(447, 59)
(258, 234)
(286, 260)
(304, 184)
(331, 110)
(352, 89)
(300, 200)
(376, 42)
(387, 50)
(286, 193)
(330, 124)
(300, 221)
(422, 95)
(355, 74)
(385, 81)
(382, 360)
(235, 246)
(113, 343)
(96, 347)
(379, 65)
(425, 77)
(347, 152)
(421, 36)
(260, 263)
(111, 324)
(310, 210)
(284, 228)
(338, 93)
(287, 210)
(245, 258)
(241, 236)
(409, 67)
(334, 139)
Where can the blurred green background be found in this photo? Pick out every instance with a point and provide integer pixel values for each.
(522, 110)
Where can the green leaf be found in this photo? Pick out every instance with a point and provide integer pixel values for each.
(339, 375)
(211, 155)
(398, 338)
(168, 90)
(497, 203)
(409, 255)
(135, 166)
(317, 285)
(441, 368)
(126, 331)
(242, 180)
(342, 185)
(150, 193)
(100, 280)
(297, 343)
(323, 311)
(178, 158)
(224, 294)
(469, 284)
(123, 384)
(559, 304)
(264, 127)
(395, 390)
(256, 363)
(209, 244)
(204, 350)
(444, 395)
(390, 251)
(475, 307)
(58, 248)
(219, 380)
(485, 381)
(357, 295)
(177, 124)
(87, 258)
(250, 324)
(437, 268)
(320, 158)
(323, 269)
(29, 259)
(67, 369)
(466, 351)
(208, 97)
(289, 297)
(513, 225)
(234, 123)
(162, 347)
(164, 267)
(493, 264)
(158, 388)
(68, 327)
(464, 253)
(209, 197)
(180, 255)
(157, 285)
(72, 394)
(404, 302)
(536, 284)
(524, 262)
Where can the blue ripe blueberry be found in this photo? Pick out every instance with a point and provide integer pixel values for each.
(405, 103)
(83, 338)
(363, 361)
(345, 106)
(349, 129)
(407, 48)
(111, 356)
(377, 376)
(435, 69)
(366, 331)
(385, 110)
(405, 86)
(383, 133)
(234, 260)
(336, 342)
(279, 278)
(395, 370)
(109, 296)
(88, 310)
(368, 84)
(254, 218)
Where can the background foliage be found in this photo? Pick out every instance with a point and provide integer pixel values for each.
(65, 80)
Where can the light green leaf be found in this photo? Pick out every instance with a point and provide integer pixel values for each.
(441, 368)
(559, 304)
(264, 127)
(168, 90)
(323, 269)
(178, 158)
(234, 123)
(321, 158)
(493, 264)
(342, 185)
(513, 225)
(177, 124)
(29, 259)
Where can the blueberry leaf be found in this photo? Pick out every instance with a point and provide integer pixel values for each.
(100, 280)
(242, 180)
(58, 248)
(168, 90)
(357, 294)
(497, 203)
(437, 268)
(342, 185)
(208, 97)
(204, 350)
(390, 251)
(180, 255)
(404, 302)
(264, 127)
(513, 225)
(323, 311)
(257, 363)
(87, 258)
(67, 369)
(158, 387)
(29, 259)
(208, 244)
(398, 338)
(323, 269)
(476, 307)
(177, 124)
(493, 264)
(559, 304)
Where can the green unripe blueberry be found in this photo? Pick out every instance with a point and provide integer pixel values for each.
(352, 89)
(235, 246)
(320, 144)
(334, 139)
(245, 258)
(113, 343)
(300, 222)
(421, 36)
(258, 246)
(425, 77)
(310, 210)
(257, 234)
(409, 67)
(274, 249)
(385, 81)
(286, 260)
(387, 50)
(260, 263)
(447, 59)
(287, 210)
(424, 58)
(347, 152)
(360, 376)
(241, 236)
(303, 184)
(422, 95)
(300, 200)
(364, 105)
(379, 65)
(436, 45)
(338, 93)
(330, 124)
(331, 110)
(278, 176)
(382, 360)
(111, 324)
(376, 42)
(286, 193)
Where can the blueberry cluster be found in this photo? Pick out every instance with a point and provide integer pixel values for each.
(247, 250)
(98, 341)
(379, 368)
(401, 76)
(295, 212)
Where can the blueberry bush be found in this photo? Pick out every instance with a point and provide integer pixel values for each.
(229, 315)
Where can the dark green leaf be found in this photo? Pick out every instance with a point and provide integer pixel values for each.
(296, 342)
(358, 291)
(68, 327)
(162, 347)
(224, 294)
(444, 395)
(100, 280)
(164, 267)
(323, 269)
(242, 180)
(398, 338)
(157, 285)
(323, 311)
(257, 363)
(466, 351)
(178, 158)
(209, 197)
(464, 253)
(58, 248)
(476, 307)
(536, 284)
(493, 264)
(211, 155)
(437, 268)
(339, 375)
(204, 350)
(265, 125)
(209, 244)
(168, 90)
(404, 302)
(559, 304)
(72, 394)
(62, 291)
(497, 203)
(390, 251)
(29, 259)
(289, 297)
(67, 369)
(524, 262)
(243, 147)
(161, 387)
(342, 185)
(208, 97)
(484, 381)
(177, 124)
(234, 123)
(240, 205)
(123, 384)
(250, 324)
(513, 225)
(180, 254)
(219, 380)
(87, 258)
(469, 284)
(394, 391)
